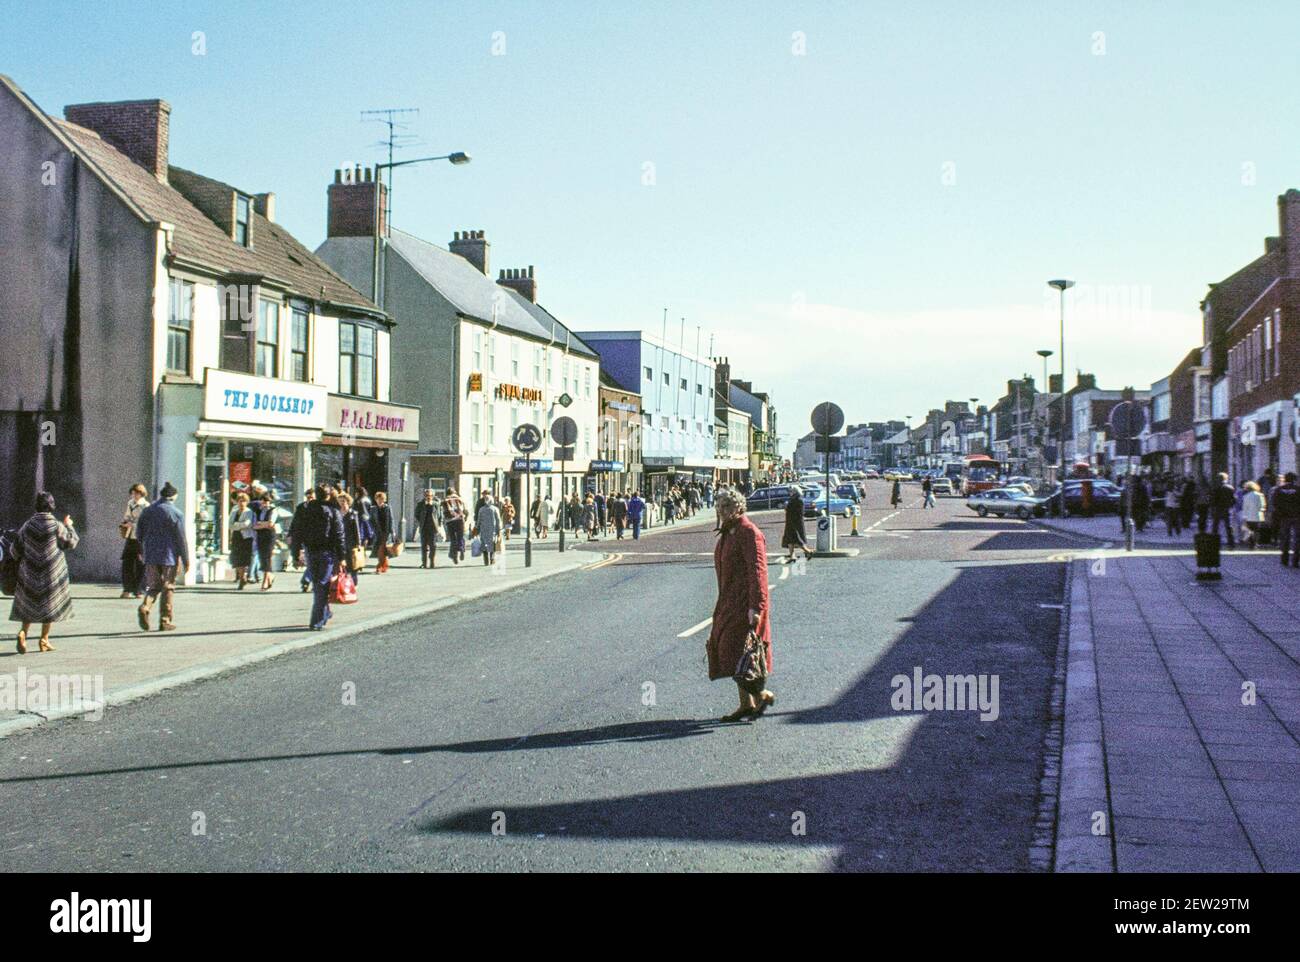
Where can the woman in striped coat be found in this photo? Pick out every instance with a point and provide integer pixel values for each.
(44, 593)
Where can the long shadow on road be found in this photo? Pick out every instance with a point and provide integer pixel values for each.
(959, 794)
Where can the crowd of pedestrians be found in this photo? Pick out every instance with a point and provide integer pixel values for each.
(1259, 513)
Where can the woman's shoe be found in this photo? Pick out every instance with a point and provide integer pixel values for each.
(22, 643)
(738, 714)
(766, 701)
(45, 645)
(125, 594)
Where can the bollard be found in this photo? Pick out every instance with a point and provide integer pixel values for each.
(1128, 534)
(853, 533)
(1207, 557)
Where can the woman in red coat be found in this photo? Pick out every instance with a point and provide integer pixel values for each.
(740, 560)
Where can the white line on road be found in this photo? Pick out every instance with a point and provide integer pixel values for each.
(1054, 607)
(690, 631)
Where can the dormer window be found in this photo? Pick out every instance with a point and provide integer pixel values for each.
(243, 213)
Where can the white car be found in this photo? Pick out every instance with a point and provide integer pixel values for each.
(941, 486)
(1004, 501)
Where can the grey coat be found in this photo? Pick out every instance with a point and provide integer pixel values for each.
(488, 521)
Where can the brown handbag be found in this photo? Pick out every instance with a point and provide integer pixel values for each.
(751, 670)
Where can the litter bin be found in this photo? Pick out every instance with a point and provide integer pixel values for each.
(1207, 557)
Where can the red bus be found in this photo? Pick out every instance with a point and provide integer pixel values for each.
(979, 472)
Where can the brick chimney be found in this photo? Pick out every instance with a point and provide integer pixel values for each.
(1053, 384)
(473, 246)
(517, 279)
(352, 204)
(1085, 381)
(138, 128)
(1288, 215)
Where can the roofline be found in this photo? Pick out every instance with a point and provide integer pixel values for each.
(70, 145)
(549, 342)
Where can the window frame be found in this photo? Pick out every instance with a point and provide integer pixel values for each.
(297, 311)
(245, 203)
(174, 329)
(259, 343)
(355, 357)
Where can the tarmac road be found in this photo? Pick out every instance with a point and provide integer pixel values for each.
(569, 725)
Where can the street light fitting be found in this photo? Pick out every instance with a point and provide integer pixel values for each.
(1061, 284)
(1044, 353)
(459, 157)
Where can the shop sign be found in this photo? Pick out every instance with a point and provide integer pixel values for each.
(245, 399)
(615, 466)
(538, 465)
(513, 392)
(475, 382)
(374, 420)
(621, 406)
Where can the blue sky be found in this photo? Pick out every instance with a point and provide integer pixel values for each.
(869, 221)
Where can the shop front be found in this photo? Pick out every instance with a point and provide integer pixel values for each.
(244, 432)
(359, 438)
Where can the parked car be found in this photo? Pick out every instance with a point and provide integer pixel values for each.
(871, 475)
(814, 502)
(1105, 497)
(1020, 484)
(1005, 501)
(764, 499)
(851, 490)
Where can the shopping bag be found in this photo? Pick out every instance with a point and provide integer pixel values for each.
(345, 589)
(476, 547)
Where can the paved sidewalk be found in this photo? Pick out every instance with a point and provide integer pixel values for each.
(1106, 527)
(220, 628)
(1182, 714)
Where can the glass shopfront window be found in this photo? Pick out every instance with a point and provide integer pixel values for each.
(227, 467)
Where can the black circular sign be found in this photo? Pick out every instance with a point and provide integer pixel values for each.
(827, 418)
(527, 438)
(564, 431)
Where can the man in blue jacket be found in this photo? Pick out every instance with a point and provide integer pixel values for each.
(166, 552)
(322, 540)
(635, 509)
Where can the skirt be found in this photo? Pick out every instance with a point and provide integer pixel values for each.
(241, 551)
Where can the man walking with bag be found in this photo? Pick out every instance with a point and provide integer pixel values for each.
(325, 548)
(427, 515)
(166, 553)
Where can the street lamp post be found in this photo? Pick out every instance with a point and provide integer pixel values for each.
(376, 295)
(458, 158)
(1061, 285)
(1044, 353)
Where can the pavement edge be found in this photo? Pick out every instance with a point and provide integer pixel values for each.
(1084, 792)
(212, 669)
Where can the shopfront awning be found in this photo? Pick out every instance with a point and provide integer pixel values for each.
(257, 432)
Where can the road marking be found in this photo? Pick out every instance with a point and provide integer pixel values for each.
(692, 630)
(1054, 607)
(600, 564)
(785, 572)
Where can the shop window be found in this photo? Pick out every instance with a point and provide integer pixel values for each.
(298, 345)
(180, 325)
(268, 339)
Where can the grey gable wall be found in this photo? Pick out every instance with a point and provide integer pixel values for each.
(424, 359)
(76, 269)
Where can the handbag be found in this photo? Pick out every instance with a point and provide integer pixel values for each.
(395, 549)
(124, 529)
(345, 589)
(751, 669)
